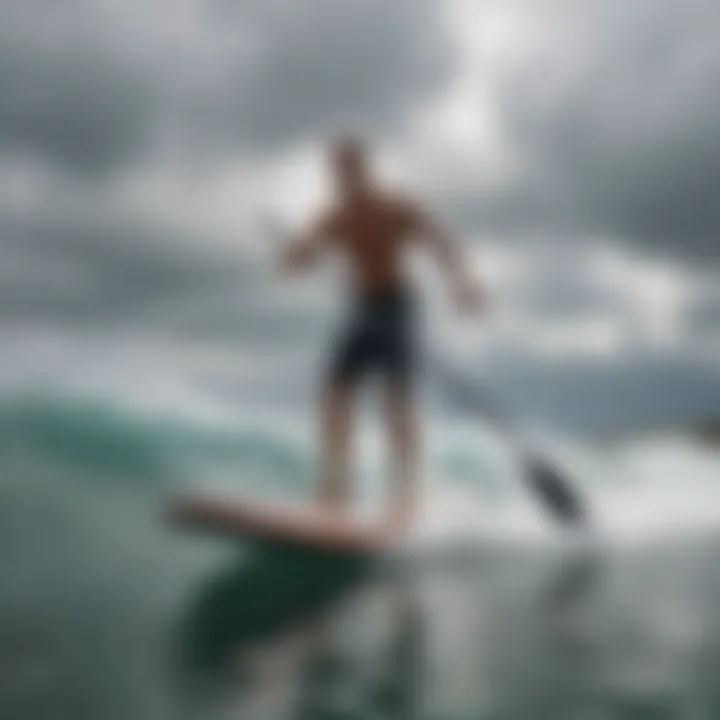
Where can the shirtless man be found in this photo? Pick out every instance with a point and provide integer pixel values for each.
(373, 229)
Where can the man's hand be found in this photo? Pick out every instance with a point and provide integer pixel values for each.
(297, 255)
(306, 248)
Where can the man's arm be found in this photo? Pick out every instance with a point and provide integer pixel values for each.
(305, 248)
(451, 257)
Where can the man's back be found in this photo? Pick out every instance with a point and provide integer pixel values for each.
(374, 231)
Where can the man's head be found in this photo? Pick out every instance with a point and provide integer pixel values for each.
(349, 165)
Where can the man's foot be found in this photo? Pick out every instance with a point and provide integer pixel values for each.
(397, 526)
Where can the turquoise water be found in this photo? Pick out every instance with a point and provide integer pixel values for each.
(107, 613)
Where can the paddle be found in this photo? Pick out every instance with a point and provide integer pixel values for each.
(549, 483)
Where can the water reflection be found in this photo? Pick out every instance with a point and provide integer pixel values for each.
(588, 635)
(338, 684)
(258, 601)
(326, 637)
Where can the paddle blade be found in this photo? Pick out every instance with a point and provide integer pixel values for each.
(556, 491)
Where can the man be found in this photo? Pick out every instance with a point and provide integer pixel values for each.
(374, 228)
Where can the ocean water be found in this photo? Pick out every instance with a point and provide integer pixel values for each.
(106, 612)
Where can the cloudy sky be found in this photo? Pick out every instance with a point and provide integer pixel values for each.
(150, 151)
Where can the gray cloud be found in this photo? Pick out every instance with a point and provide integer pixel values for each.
(322, 64)
(98, 274)
(68, 94)
(613, 113)
(108, 276)
(89, 87)
(702, 317)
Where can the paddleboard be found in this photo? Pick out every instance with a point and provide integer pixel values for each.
(275, 524)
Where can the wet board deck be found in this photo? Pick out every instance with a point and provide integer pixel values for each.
(309, 528)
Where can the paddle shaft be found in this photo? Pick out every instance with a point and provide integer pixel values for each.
(553, 486)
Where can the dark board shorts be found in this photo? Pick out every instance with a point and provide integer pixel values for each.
(379, 337)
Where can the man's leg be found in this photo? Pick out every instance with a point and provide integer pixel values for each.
(335, 485)
(404, 441)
